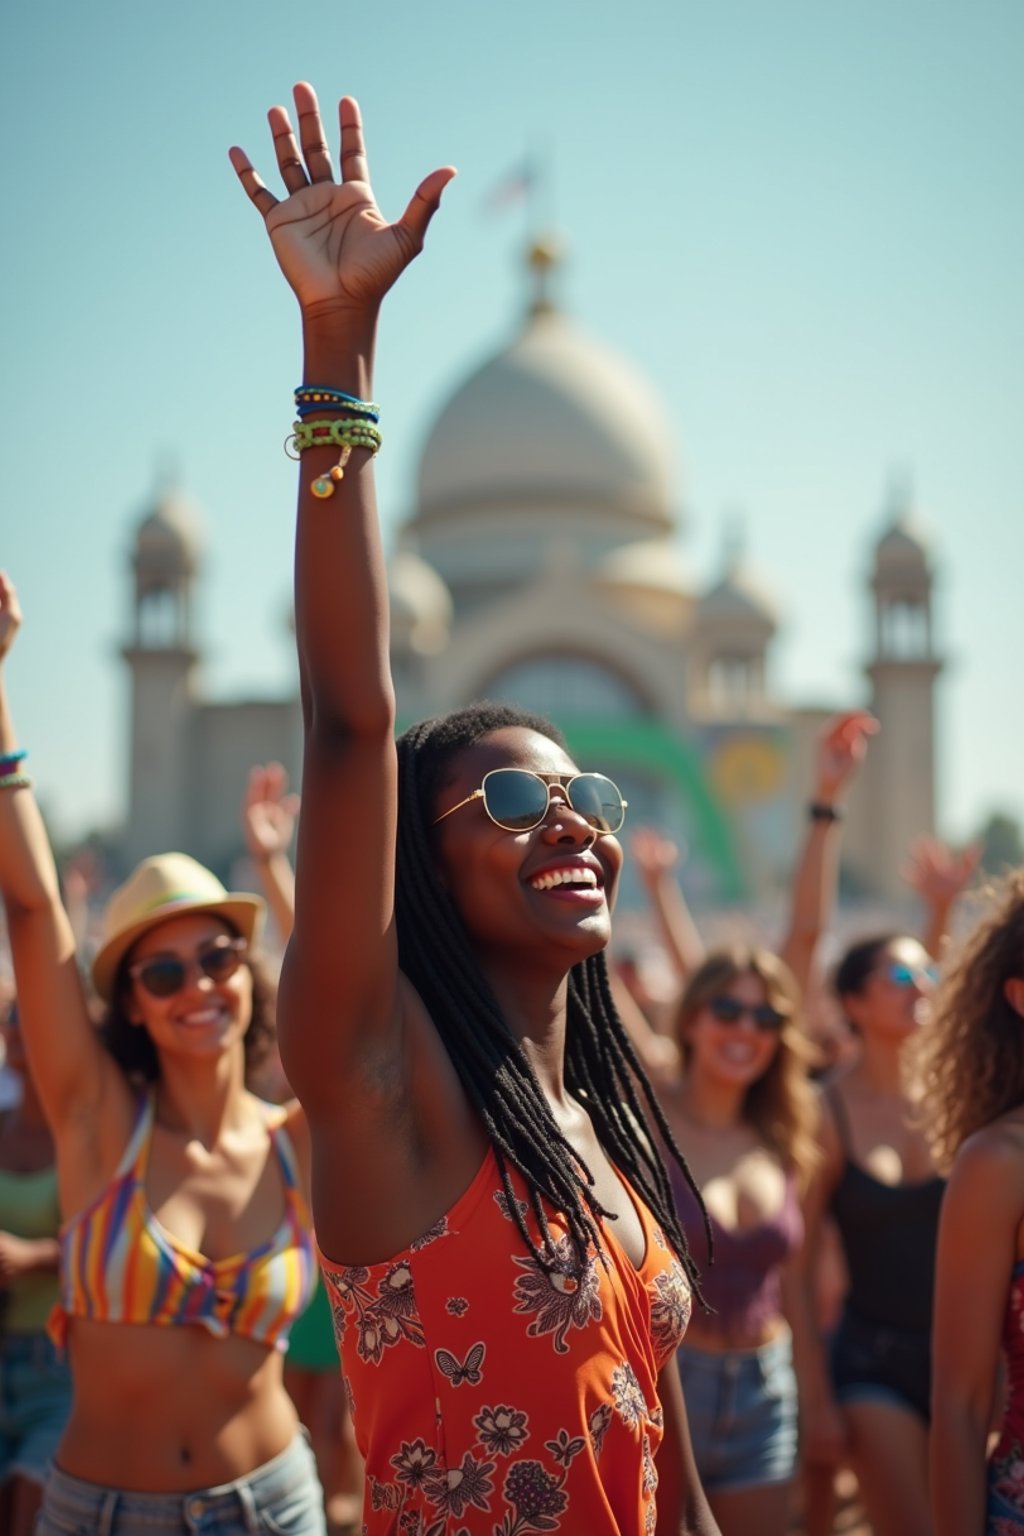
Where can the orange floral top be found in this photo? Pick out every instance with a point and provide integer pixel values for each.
(491, 1399)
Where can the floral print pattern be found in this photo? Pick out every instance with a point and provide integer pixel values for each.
(560, 1298)
(1006, 1467)
(511, 1383)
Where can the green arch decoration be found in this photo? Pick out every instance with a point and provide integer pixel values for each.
(648, 744)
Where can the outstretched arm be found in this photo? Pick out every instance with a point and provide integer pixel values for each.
(340, 256)
(268, 821)
(657, 858)
(939, 876)
(840, 752)
(71, 1070)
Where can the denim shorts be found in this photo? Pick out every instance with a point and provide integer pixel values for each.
(35, 1400)
(873, 1364)
(742, 1410)
(281, 1498)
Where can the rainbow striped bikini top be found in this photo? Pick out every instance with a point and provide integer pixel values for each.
(119, 1265)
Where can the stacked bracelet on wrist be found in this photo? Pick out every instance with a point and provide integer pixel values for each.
(355, 427)
(11, 776)
(819, 811)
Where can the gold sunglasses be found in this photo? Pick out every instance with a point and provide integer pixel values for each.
(517, 799)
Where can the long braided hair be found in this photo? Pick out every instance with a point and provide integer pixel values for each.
(436, 953)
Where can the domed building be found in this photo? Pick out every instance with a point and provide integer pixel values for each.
(543, 565)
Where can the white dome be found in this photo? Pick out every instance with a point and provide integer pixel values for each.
(555, 417)
(168, 536)
(902, 547)
(739, 598)
(655, 564)
(421, 605)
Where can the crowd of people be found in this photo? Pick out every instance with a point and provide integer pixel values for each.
(592, 1263)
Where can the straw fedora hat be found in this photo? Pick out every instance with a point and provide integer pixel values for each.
(159, 888)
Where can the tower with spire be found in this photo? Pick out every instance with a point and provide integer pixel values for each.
(900, 771)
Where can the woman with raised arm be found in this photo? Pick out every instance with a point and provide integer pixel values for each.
(508, 1277)
(186, 1249)
(973, 1071)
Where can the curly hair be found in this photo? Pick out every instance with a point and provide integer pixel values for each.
(437, 954)
(134, 1051)
(971, 1055)
(781, 1105)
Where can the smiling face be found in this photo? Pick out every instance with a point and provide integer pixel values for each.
(206, 1017)
(728, 1040)
(549, 889)
(893, 1000)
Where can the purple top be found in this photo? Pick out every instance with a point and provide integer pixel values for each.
(744, 1281)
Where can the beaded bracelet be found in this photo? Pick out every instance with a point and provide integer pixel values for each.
(312, 397)
(345, 434)
(15, 781)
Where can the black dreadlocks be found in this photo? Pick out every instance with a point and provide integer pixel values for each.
(601, 1066)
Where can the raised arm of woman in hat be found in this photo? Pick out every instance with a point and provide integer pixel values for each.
(86, 1099)
(340, 1002)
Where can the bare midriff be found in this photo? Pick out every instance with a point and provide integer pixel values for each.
(702, 1334)
(165, 1410)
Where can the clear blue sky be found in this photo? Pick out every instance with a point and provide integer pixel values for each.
(803, 221)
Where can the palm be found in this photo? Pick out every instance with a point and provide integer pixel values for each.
(332, 243)
(331, 240)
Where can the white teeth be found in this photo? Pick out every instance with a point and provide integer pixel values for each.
(207, 1016)
(577, 876)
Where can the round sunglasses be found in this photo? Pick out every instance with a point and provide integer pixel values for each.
(517, 799)
(729, 1010)
(164, 975)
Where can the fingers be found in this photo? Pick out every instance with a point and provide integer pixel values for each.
(257, 193)
(311, 134)
(354, 165)
(425, 202)
(289, 161)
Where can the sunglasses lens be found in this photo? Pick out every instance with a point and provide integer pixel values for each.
(219, 962)
(768, 1019)
(901, 975)
(515, 798)
(726, 1009)
(598, 801)
(162, 976)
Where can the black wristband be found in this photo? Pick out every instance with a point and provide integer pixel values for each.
(818, 811)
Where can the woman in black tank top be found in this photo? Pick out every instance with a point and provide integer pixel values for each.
(879, 1184)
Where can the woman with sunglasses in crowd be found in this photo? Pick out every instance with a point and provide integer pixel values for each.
(741, 1103)
(973, 1072)
(868, 1406)
(508, 1277)
(186, 1248)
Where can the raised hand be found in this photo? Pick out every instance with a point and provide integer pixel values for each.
(331, 240)
(268, 812)
(10, 614)
(653, 853)
(841, 750)
(939, 874)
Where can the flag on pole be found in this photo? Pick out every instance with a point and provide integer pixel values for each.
(514, 187)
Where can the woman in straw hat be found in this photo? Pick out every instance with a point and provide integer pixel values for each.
(186, 1248)
(508, 1275)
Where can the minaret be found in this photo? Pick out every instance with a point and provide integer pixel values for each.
(734, 625)
(900, 778)
(162, 659)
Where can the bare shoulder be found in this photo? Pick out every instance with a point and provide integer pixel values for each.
(991, 1162)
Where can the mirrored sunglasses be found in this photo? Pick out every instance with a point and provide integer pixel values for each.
(903, 975)
(729, 1010)
(164, 975)
(517, 799)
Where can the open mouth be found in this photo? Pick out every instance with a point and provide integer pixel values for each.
(570, 882)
